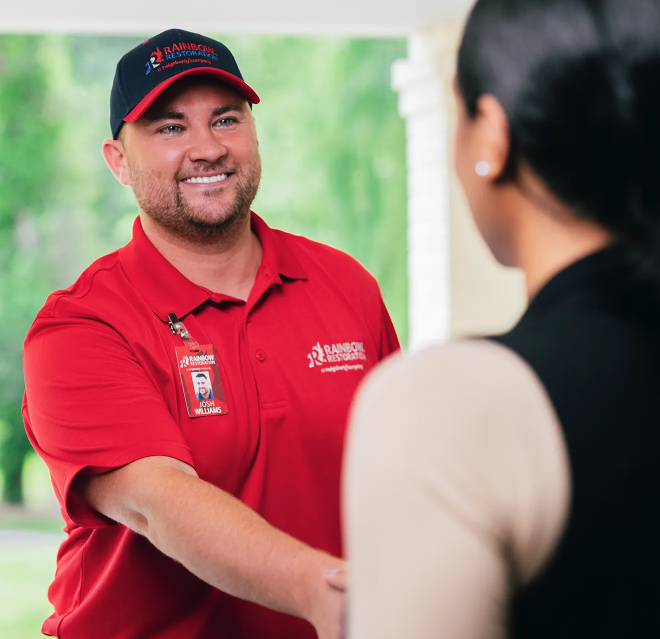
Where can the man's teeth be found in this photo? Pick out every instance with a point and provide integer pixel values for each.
(206, 180)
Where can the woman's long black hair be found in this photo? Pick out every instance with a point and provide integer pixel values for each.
(580, 83)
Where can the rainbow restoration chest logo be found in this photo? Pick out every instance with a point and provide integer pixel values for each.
(180, 53)
(333, 358)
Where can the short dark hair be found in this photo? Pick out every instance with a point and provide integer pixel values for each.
(202, 375)
(579, 81)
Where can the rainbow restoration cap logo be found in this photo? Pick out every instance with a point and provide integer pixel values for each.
(148, 69)
(180, 53)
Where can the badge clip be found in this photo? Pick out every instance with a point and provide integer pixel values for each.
(177, 327)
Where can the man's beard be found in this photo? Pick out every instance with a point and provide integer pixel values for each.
(170, 210)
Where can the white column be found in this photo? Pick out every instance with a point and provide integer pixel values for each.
(423, 81)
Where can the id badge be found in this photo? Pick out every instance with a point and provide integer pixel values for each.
(200, 378)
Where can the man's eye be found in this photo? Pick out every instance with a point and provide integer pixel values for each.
(171, 128)
(226, 121)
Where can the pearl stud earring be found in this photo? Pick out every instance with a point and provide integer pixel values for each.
(482, 168)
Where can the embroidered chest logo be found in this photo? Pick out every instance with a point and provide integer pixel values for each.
(339, 357)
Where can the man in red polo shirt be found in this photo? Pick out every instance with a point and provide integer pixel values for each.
(234, 492)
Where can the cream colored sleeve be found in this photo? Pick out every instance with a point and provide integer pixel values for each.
(456, 483)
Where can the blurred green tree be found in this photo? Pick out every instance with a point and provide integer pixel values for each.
(29, 137)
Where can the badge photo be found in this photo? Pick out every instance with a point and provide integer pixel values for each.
(200, 379)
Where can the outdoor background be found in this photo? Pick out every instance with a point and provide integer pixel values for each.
(333, 150)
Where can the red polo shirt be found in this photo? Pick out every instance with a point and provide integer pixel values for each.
(103, 389)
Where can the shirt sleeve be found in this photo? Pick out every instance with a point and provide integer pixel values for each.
(456, 486)
(90, 407)
(389, 342)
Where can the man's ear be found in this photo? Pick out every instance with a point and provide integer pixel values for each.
(115, 157)
(253, 124)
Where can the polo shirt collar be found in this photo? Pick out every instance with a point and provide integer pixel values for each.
(276, 251)
(166, 290)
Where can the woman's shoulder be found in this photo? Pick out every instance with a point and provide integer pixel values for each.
(475, 420)
(458, 370)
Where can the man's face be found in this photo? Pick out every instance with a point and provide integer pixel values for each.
(193, 159)
(202, 387)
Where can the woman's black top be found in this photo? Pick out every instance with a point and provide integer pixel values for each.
(592, 335)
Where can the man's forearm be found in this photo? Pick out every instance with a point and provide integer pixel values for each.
(217, 538)
(229, 546)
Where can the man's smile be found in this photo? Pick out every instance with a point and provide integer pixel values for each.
(206, 179)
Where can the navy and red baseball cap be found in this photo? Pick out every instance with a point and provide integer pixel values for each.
(148, 69)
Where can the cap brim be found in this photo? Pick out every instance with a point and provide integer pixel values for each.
(141, 107)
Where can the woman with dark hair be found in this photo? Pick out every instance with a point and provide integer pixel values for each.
(511, 485)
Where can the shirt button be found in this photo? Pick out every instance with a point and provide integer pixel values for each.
(260, 355)
(248, 319)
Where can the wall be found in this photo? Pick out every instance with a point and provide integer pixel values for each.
(456, 287)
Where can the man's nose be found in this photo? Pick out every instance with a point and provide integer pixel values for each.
(206, 145)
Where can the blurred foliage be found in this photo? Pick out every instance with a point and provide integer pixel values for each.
(332, 145)
(29, 131)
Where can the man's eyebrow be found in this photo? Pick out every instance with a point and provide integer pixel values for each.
(226, 108)
(157, 116)
(149, 118)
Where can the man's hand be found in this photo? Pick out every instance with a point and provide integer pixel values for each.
(329, 615)
(337, 577)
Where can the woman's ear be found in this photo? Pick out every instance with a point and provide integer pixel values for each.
(492, 137)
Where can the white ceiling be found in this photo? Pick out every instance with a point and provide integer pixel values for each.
(294, 17)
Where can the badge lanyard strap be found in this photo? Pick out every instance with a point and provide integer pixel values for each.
(177, 328)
